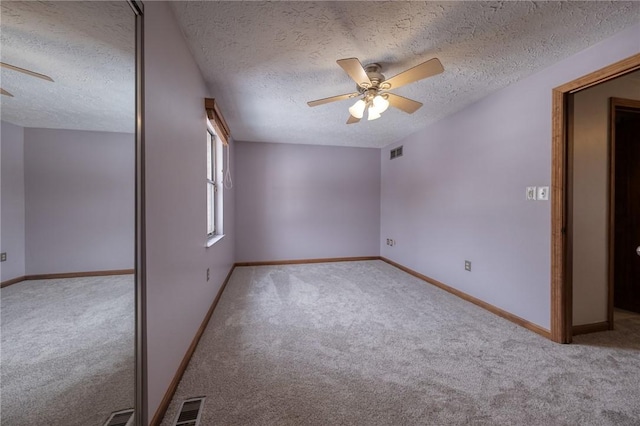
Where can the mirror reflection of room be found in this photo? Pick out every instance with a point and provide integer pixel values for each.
(67, 212)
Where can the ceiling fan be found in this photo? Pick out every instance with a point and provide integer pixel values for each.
(24, 71)
(372, 88)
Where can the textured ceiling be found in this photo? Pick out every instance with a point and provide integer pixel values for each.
(86, 47)
(264, 60)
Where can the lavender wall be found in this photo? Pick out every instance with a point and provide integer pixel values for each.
(12, 202)
(459, 190)
(178, 295)
(306, 202)
(79, 188)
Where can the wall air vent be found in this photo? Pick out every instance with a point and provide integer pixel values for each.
(396, 152)
(121, 418)
(189, 414)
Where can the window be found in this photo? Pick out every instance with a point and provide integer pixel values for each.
(214, 185)
(218, 179)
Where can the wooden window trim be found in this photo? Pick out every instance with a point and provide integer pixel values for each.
(217, 120)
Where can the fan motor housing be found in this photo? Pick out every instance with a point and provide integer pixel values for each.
(376, 77)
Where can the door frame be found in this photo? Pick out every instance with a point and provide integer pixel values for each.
(613, 104)
(561, 194)
(141, 406)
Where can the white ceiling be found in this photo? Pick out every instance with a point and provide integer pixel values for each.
(86, 47)
(264, 60)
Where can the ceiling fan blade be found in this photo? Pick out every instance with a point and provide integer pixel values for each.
(4, 92)
(24, 71)
(352, 119)
(354, 68)
(333, 99)
(419, 72)
(407, 105)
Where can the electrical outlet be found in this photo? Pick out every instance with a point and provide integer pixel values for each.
(393, 243)
(543, 193)
(467, 265)
(531, 193)
(388, 242)
(3, 257)
(208, 274)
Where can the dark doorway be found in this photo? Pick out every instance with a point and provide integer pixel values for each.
(624, 283)
(561, 195)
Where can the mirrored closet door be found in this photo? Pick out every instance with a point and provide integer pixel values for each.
(68, 212)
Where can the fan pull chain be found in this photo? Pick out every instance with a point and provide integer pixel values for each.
(227, 182)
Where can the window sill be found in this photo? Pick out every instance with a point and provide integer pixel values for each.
(212, 240)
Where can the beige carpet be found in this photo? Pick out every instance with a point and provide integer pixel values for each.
(363, 343)
(67, 351)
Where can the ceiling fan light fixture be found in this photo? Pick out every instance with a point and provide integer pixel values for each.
(373, 114)
(357, 109)
(372, 88)
(380, 104)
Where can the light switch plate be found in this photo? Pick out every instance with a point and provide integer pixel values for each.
(543, 193)
(531, 193)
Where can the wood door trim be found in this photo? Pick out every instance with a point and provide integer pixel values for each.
(625, 103)
(607, 73)
(561, 286)
(611, 150)
(591, 328)
(559, 157)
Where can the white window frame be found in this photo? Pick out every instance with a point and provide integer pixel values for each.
(215, 190)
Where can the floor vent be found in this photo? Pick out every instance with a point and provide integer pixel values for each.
(121, 418)
(396, 152)
(189, 414)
